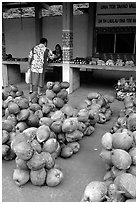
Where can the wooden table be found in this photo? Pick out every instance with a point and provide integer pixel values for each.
(75, 73)
(11, 71)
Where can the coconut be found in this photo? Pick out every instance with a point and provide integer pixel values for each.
(23, 150)
(121, 159)
(89, 130)
(56, 126)
(5, 150)
(20, 176)
(23, 115)
(21, 164)
(74, 136)
(5, 136)
(50, 145)
(36, 162)
(13, 108)
(131, 122)
(38, 177)
(107, 140)
(122, 140)
(49, 160)
(126, 182)
(132, 170)
(67, 110)
(43, 133)
(70, 124)
(36, 146)
(116, 172)
(45, 121)
(106, 156)
(132, 153)
(95, 192)
(75, 146)
(66, 152)
(54, 177)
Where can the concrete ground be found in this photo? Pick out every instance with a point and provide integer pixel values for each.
(78, 170)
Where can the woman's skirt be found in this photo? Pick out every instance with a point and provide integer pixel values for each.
(37, 79)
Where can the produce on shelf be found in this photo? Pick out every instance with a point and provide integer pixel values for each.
(110, 62)
(125, 87)
(119, 62)
(55, 60)
(103, 61)
(130, 63)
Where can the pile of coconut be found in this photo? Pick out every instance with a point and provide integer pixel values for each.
(127, 116)
(119, 182)
(35, 159)
(37, 130)
(125, 87)
(98, 106)
(66, 124)
(119, 155)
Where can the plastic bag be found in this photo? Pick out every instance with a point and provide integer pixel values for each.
(28, 76)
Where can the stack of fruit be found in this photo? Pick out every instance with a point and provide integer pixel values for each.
(80, 60)
(110, 62)
(125, 88)
(98, 107)
(119, 182)
(119, 155)
(68, 125)
(127, 116)
(119, 62)
(35, 157)
(130, 63)
(101, 62)
(119, 151)
(13, 104)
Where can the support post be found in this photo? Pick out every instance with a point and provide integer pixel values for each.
(67, 44)
(38, 23)
(3, 40)
(91, 29)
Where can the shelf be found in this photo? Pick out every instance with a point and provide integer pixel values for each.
(85, 66)
(98, 67)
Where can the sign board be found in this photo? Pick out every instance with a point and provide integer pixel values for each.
(116, 7)
(115, 20)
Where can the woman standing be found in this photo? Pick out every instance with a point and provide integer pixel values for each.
(38, 59)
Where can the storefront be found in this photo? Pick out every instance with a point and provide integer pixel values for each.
(106, 30)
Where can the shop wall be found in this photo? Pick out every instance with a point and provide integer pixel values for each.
(52, 30)
(19, 39)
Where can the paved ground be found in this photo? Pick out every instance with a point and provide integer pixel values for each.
(78, 170)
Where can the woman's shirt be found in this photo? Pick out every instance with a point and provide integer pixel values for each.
(37, 58)
(57, 54)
